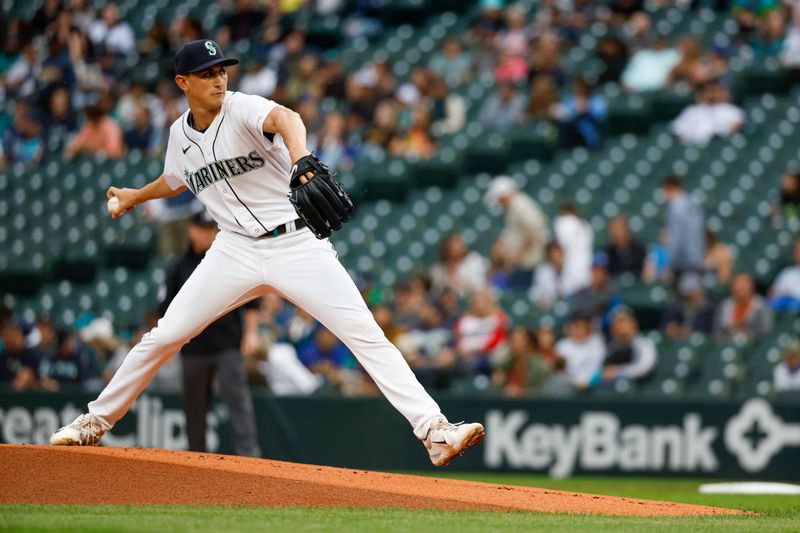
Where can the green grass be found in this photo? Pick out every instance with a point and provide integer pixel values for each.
(777, 513)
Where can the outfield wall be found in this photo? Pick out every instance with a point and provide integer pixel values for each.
(751, 439)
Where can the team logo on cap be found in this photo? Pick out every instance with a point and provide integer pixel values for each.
(212, 50)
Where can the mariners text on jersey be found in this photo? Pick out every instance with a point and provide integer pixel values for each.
(222, 169)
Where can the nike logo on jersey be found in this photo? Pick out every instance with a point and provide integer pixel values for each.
(186, 149)
(222, 169)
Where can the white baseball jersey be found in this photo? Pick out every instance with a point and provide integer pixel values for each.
(236, 170)
(242, 176)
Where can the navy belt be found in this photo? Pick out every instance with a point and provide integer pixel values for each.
(294, 225)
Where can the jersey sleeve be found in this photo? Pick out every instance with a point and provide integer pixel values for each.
(172, 173)
(253, 110)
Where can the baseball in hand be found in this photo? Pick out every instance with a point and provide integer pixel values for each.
(113, 205)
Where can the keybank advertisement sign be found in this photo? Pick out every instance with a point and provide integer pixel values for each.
(750, 439)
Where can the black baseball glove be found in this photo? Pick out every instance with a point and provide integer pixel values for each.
(321, 202)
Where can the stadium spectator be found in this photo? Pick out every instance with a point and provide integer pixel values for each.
(328, 357)
(790, 51)
(786, 376)
(576, 238)
(100, 134)
(428, 348)
(499, 271)
(45, 17)
(61, 121)
(513, 39)
(559, 384)
(719, 258)
(258, 78)
(332, 145)
(625, 253)
(510, 68)
(458, 269)
(650, 67)
(711, 116)
(630, 355)
(408, 301)
(768, 40)
(748, 15)
(504, 108)
(548, 278)
(452, 63)
(140, 135)
(112, 33)
(693, 313)
(19, 363)
(20, 79)
(542, 99)
(691, 54)
(520, 370)
(479, 332)
(525, 232)
(785, 291)
(788, 205)
(240, 24)
(656, 264)
(583, 351)
(72, 364)
(448, 109)
(22, 142)
(545, 59)
(580, 116)
(546, 341)
(744, 314)
(599, 297)
(686, 240)
(384, 127)
(613, 54)
(417, 141)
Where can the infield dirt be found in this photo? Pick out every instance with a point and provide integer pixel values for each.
(101, 475)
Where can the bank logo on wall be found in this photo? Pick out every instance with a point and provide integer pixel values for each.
(600, 441)
(756, 434)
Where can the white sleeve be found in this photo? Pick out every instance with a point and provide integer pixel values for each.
(252, 111)
(172, 172)
(644, 358)
(780, 378)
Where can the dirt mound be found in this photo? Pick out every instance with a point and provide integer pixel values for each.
(58, 475)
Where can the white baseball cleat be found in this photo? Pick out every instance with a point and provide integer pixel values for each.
(445, 441)
(86, 430)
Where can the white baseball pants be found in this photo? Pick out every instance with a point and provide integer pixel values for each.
(307, 272)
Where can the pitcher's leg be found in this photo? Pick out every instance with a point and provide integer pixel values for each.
(220, 283)
(313, 278)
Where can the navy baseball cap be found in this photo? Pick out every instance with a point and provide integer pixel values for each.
(200, 55)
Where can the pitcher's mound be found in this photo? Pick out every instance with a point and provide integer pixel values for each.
(58, 475)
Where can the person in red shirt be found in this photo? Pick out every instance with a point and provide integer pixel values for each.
(480, 332)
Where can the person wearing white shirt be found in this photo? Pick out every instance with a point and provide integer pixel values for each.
(649, 68)
(583, 350)
(548, 280)
(630, 355)
(786, 376)
(712, 116)
(576, 237)
(116, 35)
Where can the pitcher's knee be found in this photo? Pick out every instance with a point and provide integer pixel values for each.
(164, 340)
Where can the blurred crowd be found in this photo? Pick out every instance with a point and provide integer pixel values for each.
(450, 326)
(68, 90)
